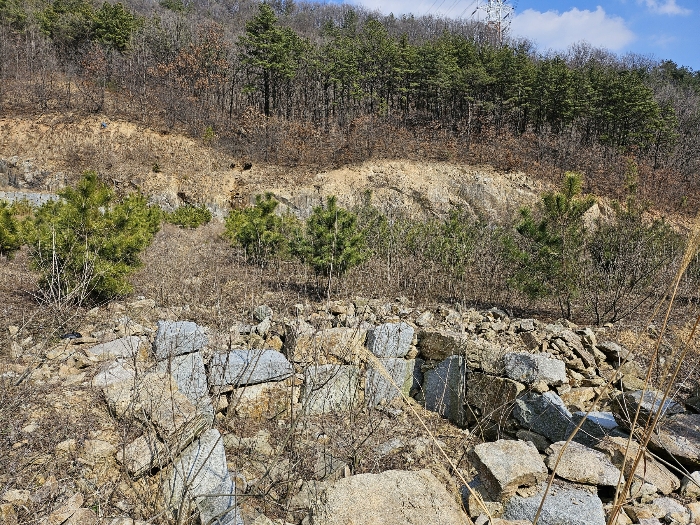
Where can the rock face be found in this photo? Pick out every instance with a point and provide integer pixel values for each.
(581, 464)
(441, 344)
(200, 476)
(330, 388)
(393, 497)
(178, 337)
(380, 390)
(506, 465)
(247, 367)
(565, 505)
(390, 340)
(530, 368)
(444, 390)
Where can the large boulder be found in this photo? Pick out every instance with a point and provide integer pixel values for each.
(264, 400)
(381, 385)
(390, 340)
(565, 505)
(648, 470)
(177, 338)
(191, 378)
(124, 348)
(506, 465)
(545, 414)
(625, 405)
(331, 346)
(330, 388)
(491, 397)
(479, 354)
(531, 368)
(444, 390)
(679, 437)
(247, 367)
(393, 497)
(581, 464)
(200, 477)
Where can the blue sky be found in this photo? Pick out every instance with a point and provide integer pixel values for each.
(664, 29)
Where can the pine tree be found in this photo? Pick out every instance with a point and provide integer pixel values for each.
(550, 254)
(333, 243)
(86, 244)
(10, 235)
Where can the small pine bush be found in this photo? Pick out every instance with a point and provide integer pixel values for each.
(259, 230)
(332, 243)
(10, 231)
(86, 244)
(189, 216)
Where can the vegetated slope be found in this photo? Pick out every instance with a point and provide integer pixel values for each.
(344, 86)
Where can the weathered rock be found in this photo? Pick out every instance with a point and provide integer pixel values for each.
(330, 388)
(392, 498)
(264, 400)
(581, 464)
(565, 505)
(123, 348)
(541, 443)
(578, 398)
(404, 373)
(331, 346)
(154, 397)
(113, 373)
(574, 342)
(188, 372)
(97, 449)
(672, 508)
(178, 337)
(648, 470)
(262, 312)
(82, 517)
(505, 465)
(440, 344)
(143, 455)
(530, 368)
(444, 390)
(390, 340)
(690, 486)
(247, 367)
(17, 497)
(64, 512)
(614, 352)
(200, 476)
(491, 397)
(8, 516)
(545, 414)
(624, 407)
(679, 436)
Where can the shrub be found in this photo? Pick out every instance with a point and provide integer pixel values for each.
(189, 216)
(87, 243)
(550, 247)
(259, 230)
(10, 231)
(333, 243)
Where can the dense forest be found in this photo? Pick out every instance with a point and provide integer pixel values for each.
(315, 84)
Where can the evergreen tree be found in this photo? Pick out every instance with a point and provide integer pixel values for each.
(258, 229)
(333, 243)
(550, 254)
(10, 234)
(270, 52)
(87, 243)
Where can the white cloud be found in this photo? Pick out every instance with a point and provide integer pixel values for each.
(667, 7)
(554, 30)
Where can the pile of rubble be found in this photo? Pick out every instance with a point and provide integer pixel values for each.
(518, 386)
